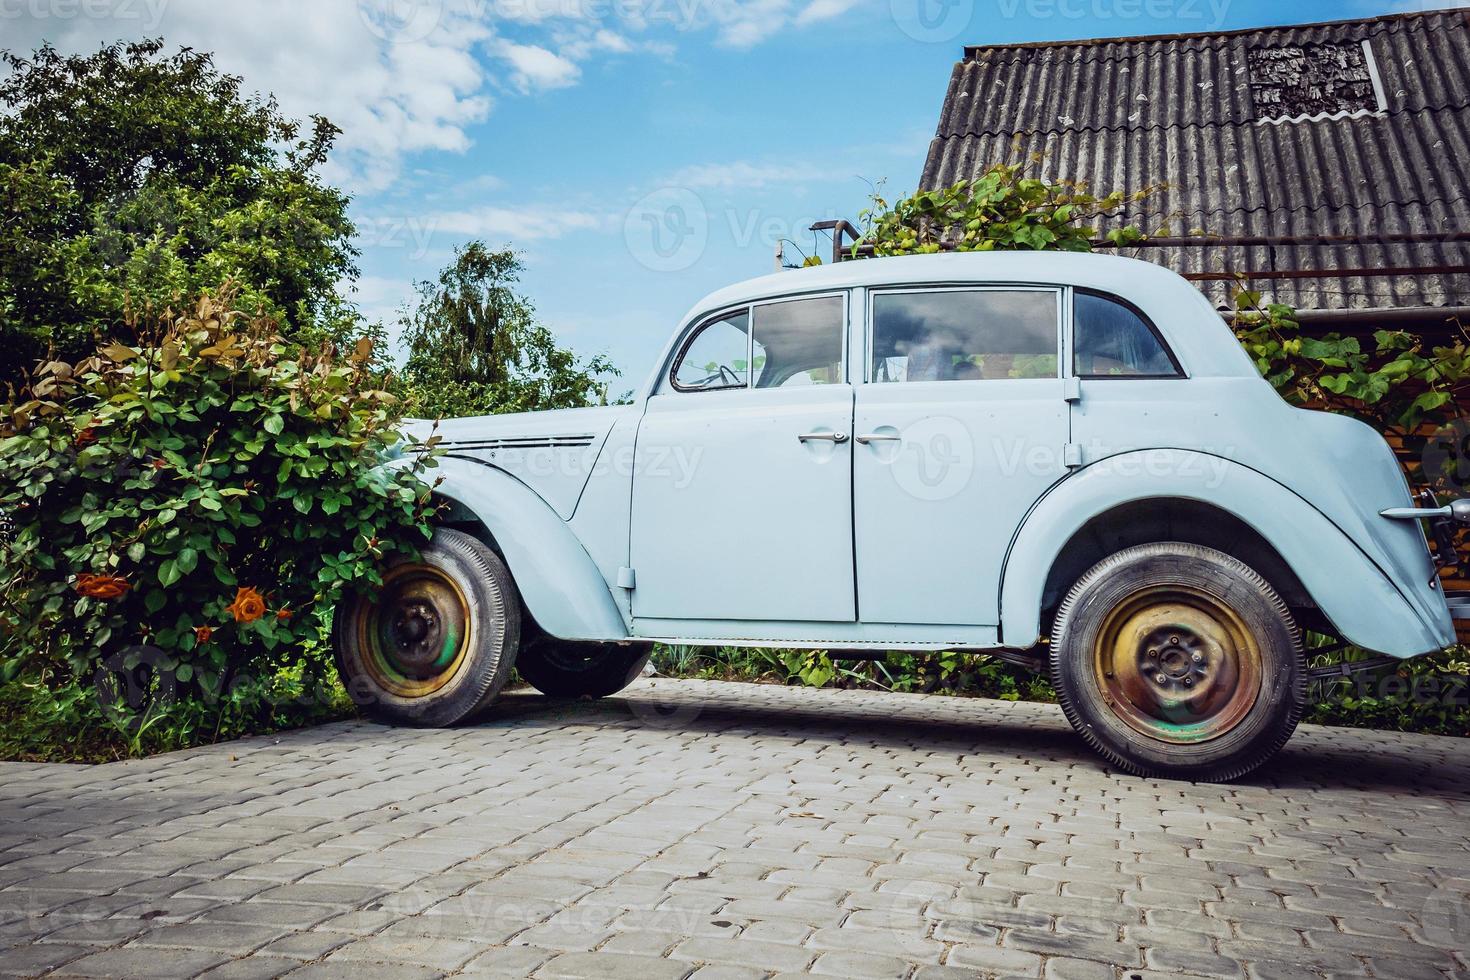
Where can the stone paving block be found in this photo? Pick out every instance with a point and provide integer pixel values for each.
(252, 968)
(139, 962)
(34, 960)
(734, 952)
(612, 966)
(440, 954)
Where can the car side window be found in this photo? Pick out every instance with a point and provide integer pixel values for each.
(965, 335)
(798, 342)
(717, 356)
(1112, 340)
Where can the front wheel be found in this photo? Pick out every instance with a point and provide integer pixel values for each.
(438, 640)
(560, 669)
(1180, 661)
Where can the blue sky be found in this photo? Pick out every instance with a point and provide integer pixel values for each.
(639, 153)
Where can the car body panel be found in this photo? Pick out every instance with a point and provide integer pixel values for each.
(551, 452)
(734, 517)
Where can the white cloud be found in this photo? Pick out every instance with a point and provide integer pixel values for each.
(820, 10)
(536, 69)
(746, 23)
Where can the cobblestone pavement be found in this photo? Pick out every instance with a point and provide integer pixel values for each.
(729, 830)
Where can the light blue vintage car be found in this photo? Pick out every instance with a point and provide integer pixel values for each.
(1062, 460)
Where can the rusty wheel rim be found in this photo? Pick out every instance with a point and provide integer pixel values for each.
(1177, 664)
(416, 635)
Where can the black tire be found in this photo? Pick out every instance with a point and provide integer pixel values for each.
(1175, 660)
(458, 598)
(560, 669)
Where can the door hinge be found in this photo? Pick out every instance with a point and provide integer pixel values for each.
(1072, 389)
(1072, 455)
(627, 578)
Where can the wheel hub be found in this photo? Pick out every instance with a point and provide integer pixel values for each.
(1177, 664)
(416, 634)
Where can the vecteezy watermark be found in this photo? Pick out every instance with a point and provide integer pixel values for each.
(146, 14)
(400, 21)
(933, 21)
(408, 233)
(940, 458)
(667, 231)
(1446, 457)
(1204, 14)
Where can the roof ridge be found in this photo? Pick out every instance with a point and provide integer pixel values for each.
(1353, 117)
(1384, 22)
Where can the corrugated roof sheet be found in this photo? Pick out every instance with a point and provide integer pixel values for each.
(1125, 114)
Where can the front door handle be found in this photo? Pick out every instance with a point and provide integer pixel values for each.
(879, 437)
(834, 437)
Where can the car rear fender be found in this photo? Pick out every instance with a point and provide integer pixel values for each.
(1365, 605)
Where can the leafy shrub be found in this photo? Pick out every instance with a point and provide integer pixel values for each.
(188, 509)
(1002, 209)
(1400, 384)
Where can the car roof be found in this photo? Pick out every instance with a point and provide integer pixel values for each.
(1194, 330)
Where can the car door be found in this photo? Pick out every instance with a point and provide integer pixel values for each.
(742, 485)
(961, 424)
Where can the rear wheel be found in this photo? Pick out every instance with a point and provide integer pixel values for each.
(1177, 660)
(560, 669)
(438, 640)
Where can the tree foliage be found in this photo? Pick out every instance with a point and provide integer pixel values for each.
(193, 503)
(476, 348)
(132, 177)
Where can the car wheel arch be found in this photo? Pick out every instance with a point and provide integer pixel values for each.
(1346, 586)
(560, 585)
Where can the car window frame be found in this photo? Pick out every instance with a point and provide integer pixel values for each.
(1179, 374)
(671, 377)
(669, 383)
(1059, 293)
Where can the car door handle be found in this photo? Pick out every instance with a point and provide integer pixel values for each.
(834, 437)
(879, 437)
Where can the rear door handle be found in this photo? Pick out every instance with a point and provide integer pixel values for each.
(834, 437)
(879, 437)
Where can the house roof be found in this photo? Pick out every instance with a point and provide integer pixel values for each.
(1354, 128)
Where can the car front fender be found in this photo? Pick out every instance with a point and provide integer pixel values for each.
(558, 581)
(1364, 603)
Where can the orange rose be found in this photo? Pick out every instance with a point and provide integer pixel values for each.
(203, 634)
(283, 614)
(106, 587)
(248, 606)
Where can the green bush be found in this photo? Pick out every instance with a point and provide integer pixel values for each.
(187, 511)
(1002, 209)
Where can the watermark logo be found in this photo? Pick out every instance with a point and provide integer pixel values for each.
(1446, 456)
(667, 231)
(932, 21)
(147, 13)
(400, 21)
(937, 458)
